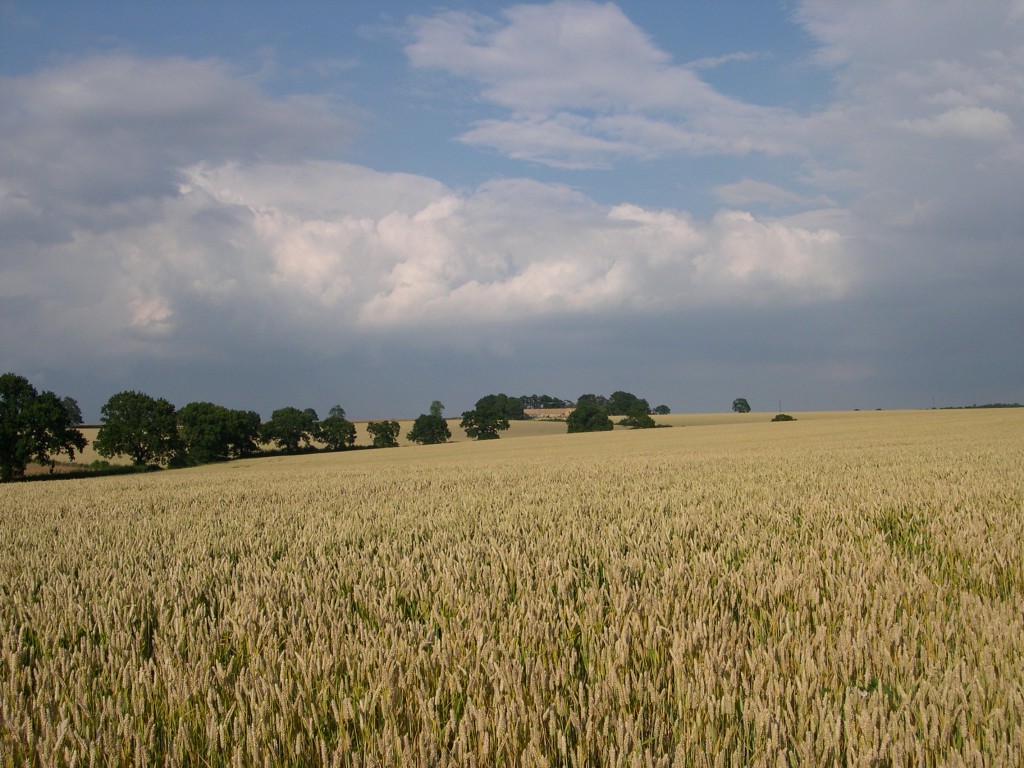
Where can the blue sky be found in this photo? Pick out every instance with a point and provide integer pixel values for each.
(380, 205)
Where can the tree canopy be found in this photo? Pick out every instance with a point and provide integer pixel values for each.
(626, 403)
(210, 432)
(429, 429)
(638, 420)
(590, 399)
(336, 432)
(384, 433)
(740, 405)
(489, 417)
(289, 428)
(34, 426)
(544, 401)
(588, 416)
(139, 426)
(511, 408)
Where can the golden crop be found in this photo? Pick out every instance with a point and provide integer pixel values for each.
(846, 589)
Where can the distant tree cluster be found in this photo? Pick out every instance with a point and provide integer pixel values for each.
(150, 431)
(986, 405)
(593, 413)
(544, 401)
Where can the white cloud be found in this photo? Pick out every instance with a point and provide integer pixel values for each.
(585, 87)
(976, 123)
(517, 249)
(750, 191)
(713, 62)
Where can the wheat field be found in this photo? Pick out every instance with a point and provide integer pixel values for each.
(845, 589)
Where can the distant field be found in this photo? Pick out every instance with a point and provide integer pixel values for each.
(845, 589)
(529, 428)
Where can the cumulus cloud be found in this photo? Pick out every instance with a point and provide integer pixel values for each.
(585, 87)
(177, 211)
(509, 249)
(926, 118)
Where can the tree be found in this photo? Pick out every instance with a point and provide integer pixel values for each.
(204, 431)
(436, 408)
(511, 408)
(246, 427)
(544, 401)
(625, 403)
(33, 427)
(588, 417)
(430, 429)
(638, 419)
(337, 432)
(599, 400)
(384, 433)
(70, 406)
(288, 428)
(210, 432)
(139, 426)
(740, 405)
(488, 418)
(662, 410)
(336, 410)
(311, 414)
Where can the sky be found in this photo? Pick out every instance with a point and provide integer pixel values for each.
(812, 204)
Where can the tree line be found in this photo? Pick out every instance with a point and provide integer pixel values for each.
(591, 413)
(40, 426)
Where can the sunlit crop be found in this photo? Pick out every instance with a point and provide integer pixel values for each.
(833, 591)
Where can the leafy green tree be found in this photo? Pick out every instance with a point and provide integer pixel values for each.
(384, 433)
(311, 413)
(626, 403)
(599, 400)
(337, 432)
(139, 426)
(246, 428)
(740, 405)
(70, 406)
(437, 408)
(662, 410)
(487, 419)
(204, 431)
(511, 408)
(588, 416)
(430, 429)
(289, 428)
(210, 432)
(34, 426)
(638, 419)
(336, 410)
